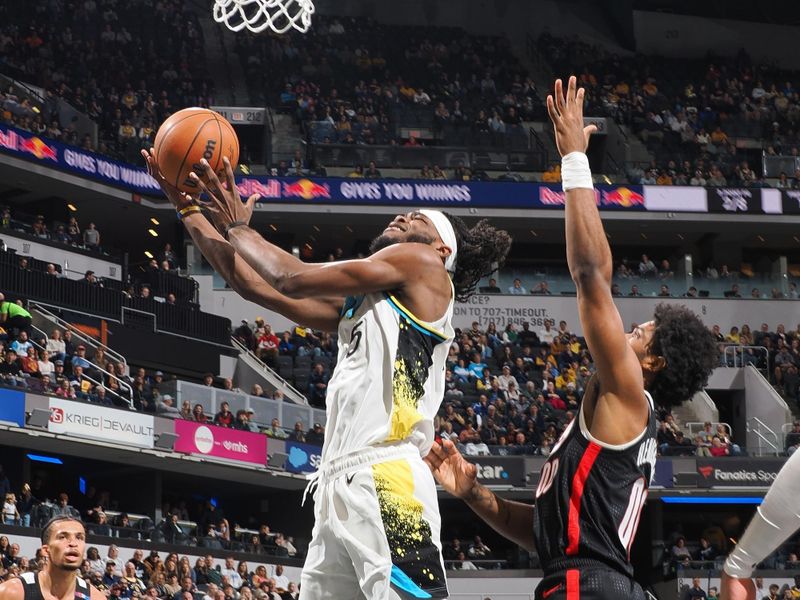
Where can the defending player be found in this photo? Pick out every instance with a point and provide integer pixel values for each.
(376, 532)
(777, 519)
(63, 544)
(595, 481)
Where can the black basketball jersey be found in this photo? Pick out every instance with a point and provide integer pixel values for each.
(590, 496)
(30, 583)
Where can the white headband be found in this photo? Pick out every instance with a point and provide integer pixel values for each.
(445, 230)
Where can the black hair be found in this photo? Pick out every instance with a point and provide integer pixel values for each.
(48, 527)
(481, 250)
(689, 350)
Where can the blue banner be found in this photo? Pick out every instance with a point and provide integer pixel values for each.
(663, 475)
(12, 407)
(303, 458)
(416, 192)
(320, 190)
(50, 153)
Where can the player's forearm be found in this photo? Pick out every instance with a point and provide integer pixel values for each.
(588, 252)
(274, 264)
(512, 520)
(221, 255)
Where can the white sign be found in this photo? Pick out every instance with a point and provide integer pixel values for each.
(242, 115)
(100, 423)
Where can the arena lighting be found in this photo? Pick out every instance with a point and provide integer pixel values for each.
(72, 207)
(154, 221)
(152, 232)
(82, 485)
(712, 500)
(148, 254)
(45, 459)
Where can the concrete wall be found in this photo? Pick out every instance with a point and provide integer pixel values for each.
(764, 403)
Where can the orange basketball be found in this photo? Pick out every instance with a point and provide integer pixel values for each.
(186, 138)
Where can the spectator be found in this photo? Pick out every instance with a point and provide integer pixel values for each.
(792, 442)
(318, 385)
(13, 317)
(516, 288)
(224, 418)
(696, 592)
(91, 237)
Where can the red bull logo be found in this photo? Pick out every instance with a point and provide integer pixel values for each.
(38, 148)
(306, 189)
(622, 196)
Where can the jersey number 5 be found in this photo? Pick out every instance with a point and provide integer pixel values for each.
(355, 339)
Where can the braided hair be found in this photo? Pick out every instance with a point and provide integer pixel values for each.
(481, 250)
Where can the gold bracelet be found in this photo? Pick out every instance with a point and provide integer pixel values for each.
(187, 210)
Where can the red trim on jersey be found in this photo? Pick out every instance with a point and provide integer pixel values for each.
(573, 584)
(578, 482)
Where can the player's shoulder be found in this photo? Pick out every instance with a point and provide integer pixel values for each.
(13, 589)
(414, 253)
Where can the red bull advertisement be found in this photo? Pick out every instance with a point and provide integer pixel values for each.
(612, 197)
(400, 193)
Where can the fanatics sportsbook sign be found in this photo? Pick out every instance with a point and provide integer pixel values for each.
(100, 423)
(738, 472)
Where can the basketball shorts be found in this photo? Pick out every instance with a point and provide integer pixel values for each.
(589, 580)
(376, 529)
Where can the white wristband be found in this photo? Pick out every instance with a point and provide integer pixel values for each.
(575, 172)
(775, 521)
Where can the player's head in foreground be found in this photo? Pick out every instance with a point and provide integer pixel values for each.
(468, 253)
(64, 543)
(677, 353)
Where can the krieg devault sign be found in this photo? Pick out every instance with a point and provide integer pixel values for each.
(100, 423)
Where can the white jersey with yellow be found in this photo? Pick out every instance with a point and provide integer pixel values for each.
(390, 376)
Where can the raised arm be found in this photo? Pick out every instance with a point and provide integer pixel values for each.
(589, 255)
(322, 313)
(392, 268)
(314, 312)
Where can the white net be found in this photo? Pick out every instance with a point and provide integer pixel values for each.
(257, 15)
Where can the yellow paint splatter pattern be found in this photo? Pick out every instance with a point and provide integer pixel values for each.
(407, 532)
(411, 364)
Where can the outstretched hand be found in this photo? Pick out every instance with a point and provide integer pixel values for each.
(733, 588)
(456, 475)
(566, 113)
(178, 198)
(224, 204)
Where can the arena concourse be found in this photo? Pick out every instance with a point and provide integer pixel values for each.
(178, 421)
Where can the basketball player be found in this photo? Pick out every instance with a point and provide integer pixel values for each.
(775, 521)
(377, 524)
(63, 546)
(595, 481)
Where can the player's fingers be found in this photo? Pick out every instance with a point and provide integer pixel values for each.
(589, 130)
(203, 187)
(251, 201)
(231, 180)
(551, 110)
(449, 448)
(470, 470)
(213, 180)
(438, 451)
(559, 96)
(572, 83)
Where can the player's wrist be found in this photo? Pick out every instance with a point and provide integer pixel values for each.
(575, 171)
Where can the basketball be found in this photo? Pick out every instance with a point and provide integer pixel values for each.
(187, 137)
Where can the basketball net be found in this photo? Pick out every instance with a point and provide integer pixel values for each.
(257, 15)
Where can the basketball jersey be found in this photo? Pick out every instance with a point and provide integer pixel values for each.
(389, 379)
(30, 585)
(590, 496)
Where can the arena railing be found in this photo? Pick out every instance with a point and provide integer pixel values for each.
(265, 409)
(106, 303)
